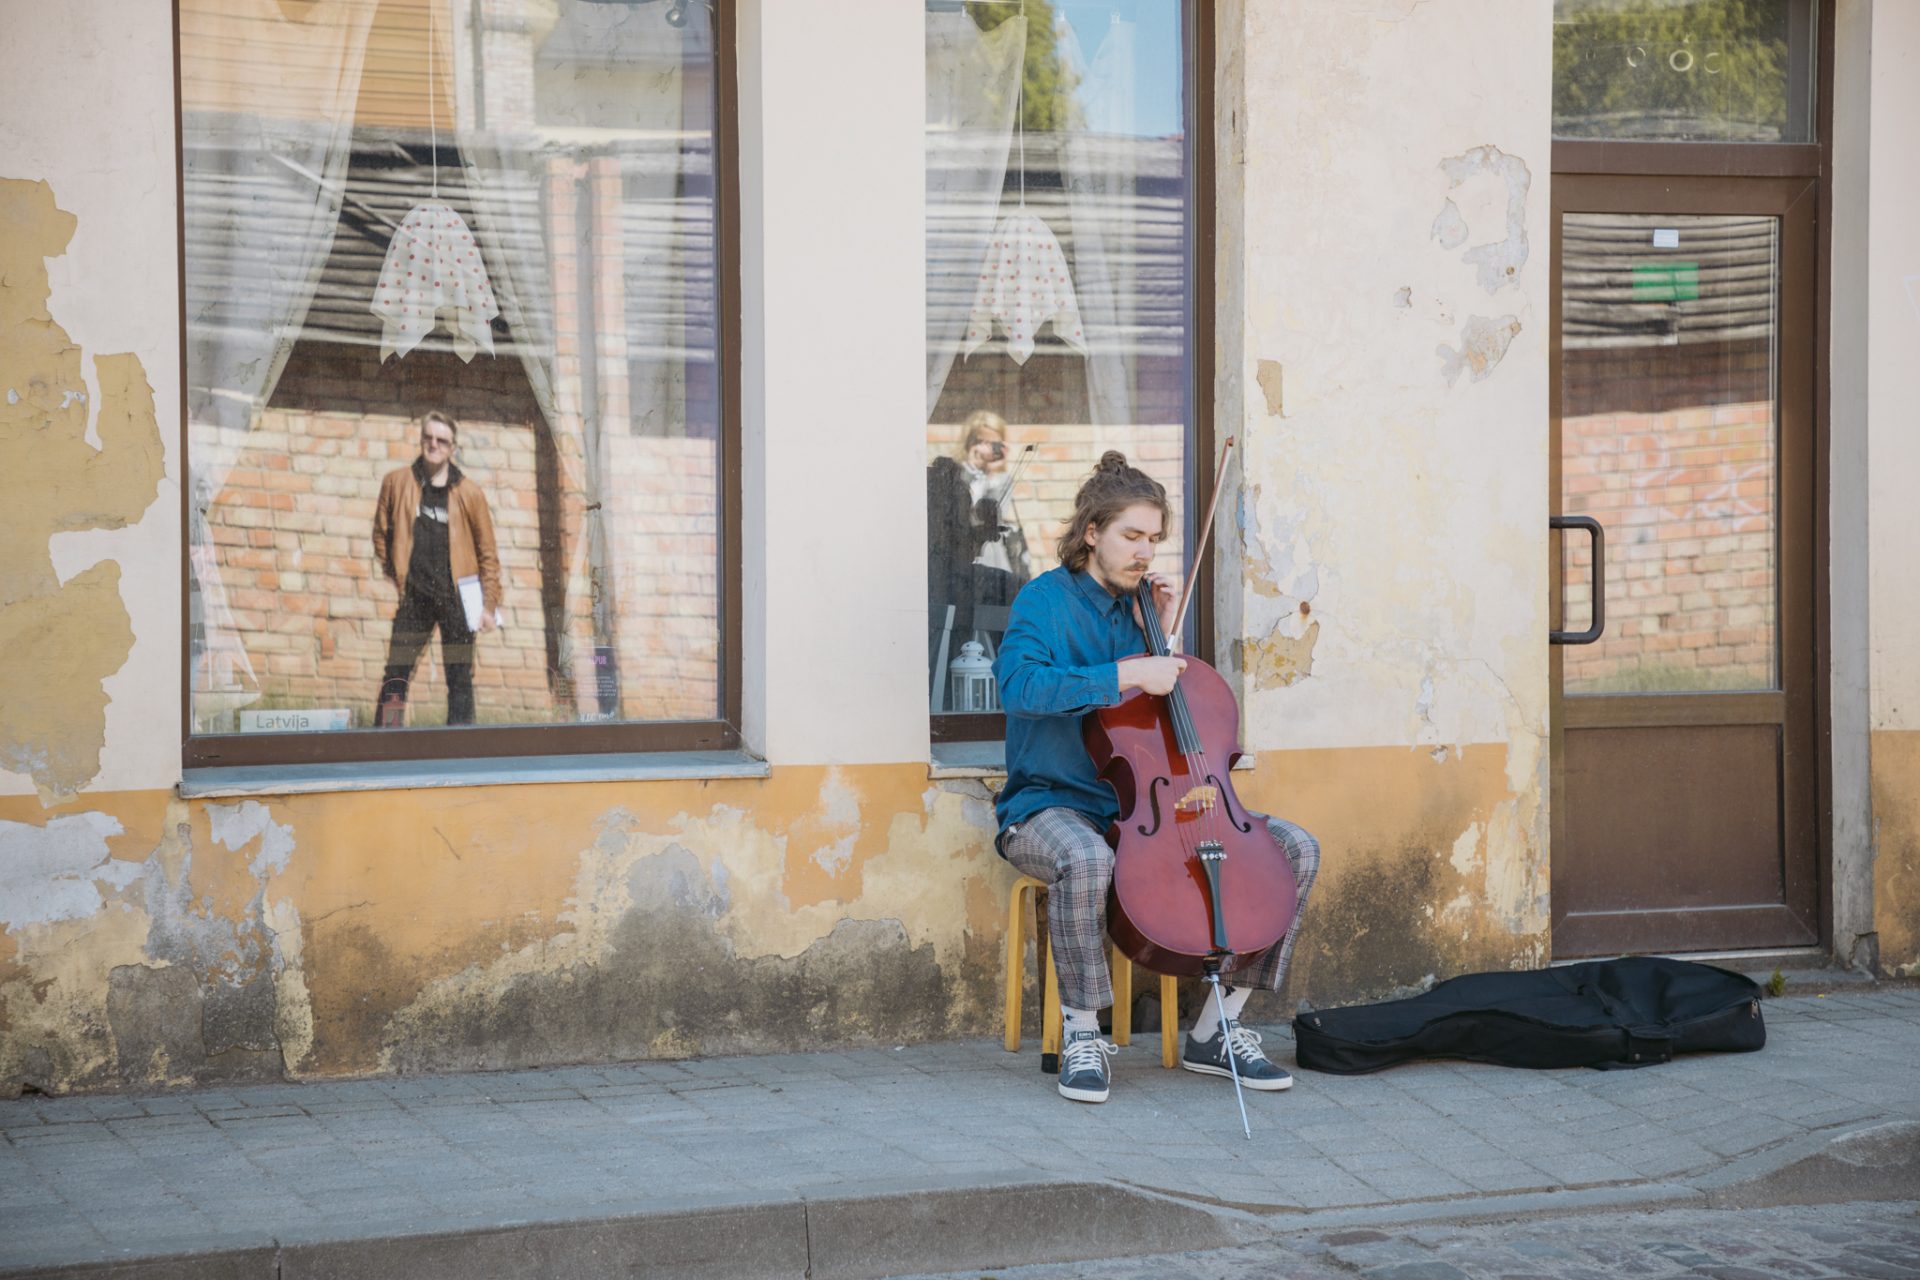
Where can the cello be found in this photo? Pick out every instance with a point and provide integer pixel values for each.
(1200, 887)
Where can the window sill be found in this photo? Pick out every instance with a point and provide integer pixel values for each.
(411, 775)
(986, 759)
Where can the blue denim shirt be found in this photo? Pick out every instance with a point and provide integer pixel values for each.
(1059, 660)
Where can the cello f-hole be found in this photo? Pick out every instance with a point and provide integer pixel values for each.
(1238, 825)
(1153, 799)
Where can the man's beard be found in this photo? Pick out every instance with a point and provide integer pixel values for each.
(1122, 578)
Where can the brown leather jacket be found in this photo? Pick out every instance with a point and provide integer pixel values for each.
(469, 531)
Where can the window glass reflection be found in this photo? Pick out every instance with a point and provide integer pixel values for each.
(1683, 70)
(409, 219)
(1668, 435)
(1057, 234)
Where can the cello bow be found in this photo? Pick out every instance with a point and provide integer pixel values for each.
(1200, 544)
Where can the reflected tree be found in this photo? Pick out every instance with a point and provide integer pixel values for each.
(1659, 69)
(1048, 84)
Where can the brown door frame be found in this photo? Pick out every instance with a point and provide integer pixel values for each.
(1574, 157)
(1796, 705)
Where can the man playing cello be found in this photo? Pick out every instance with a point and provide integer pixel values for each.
(1065, 654)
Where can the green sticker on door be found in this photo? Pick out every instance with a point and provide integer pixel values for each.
(1666, 282)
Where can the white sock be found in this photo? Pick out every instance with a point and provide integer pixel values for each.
(1207, 1023)
(1072, 1020)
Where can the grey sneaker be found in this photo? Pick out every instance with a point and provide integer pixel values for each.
(1256, 1070)
(1083, 1067)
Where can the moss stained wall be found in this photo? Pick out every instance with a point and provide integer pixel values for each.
(151, 940)
(146, 940)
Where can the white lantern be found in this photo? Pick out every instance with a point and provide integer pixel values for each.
(970, 681)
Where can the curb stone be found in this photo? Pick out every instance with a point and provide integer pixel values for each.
(879, 1230)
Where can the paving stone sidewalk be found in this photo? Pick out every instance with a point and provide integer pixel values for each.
(94, 1178)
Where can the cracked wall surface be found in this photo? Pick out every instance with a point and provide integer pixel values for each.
(147, 940)
(150, 941)
(1384, 364)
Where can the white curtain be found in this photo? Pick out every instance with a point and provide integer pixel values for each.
(973, 81)
(521, 137)
(1102, 177)
(267, 121)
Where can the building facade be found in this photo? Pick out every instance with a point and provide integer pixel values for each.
(732, 302)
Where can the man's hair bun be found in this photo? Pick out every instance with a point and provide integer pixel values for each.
(1112, 487)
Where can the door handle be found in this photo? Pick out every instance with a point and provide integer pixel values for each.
(1599, 537)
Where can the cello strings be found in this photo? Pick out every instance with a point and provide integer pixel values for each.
(1157, 645)
(1186, 732)
(1209, 826)
(1206, 828)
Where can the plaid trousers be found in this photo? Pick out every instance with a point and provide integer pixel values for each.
(1063, 849)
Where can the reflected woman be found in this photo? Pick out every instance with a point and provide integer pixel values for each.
(976, 551)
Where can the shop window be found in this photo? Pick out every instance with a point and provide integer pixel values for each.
(1061, 264)
(459, 422)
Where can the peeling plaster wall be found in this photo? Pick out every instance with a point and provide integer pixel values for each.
(1383, 359)
(89, 345)
(1892, 292)
(147, 940)
(152, 941)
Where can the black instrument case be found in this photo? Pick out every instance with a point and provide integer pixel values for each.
(1630, 1012)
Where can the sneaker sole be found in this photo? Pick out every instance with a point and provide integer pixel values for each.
(1262, 1086)
(1082, 1095)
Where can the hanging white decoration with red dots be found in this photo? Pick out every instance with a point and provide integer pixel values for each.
(1024, 283)
(433, 265)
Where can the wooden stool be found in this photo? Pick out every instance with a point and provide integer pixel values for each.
(1026, 889)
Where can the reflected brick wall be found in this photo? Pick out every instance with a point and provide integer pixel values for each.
(292, 530)
(1670, 447)
(1686, 498)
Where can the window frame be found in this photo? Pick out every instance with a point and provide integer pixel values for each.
(371, 746)
(1198, 54)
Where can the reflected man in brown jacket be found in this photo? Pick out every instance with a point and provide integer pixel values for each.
(433, 539)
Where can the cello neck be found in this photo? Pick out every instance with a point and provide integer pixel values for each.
(1186, 736)
(1157, 643)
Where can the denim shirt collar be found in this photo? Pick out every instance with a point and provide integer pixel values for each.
(1098, 596)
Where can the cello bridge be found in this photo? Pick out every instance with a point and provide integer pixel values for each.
(1198, 799)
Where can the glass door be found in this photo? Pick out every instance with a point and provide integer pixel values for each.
(1684, 771)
